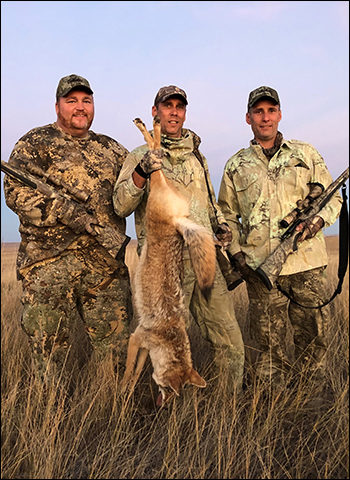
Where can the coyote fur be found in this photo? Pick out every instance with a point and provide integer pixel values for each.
(161, 331)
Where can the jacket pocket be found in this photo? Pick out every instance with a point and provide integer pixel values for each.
(248, 190)
(295, 179)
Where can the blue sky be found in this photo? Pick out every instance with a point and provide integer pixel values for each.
(216, 51)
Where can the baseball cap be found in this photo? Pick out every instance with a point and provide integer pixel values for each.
(166, 92)
(261, 92)
(66, 84)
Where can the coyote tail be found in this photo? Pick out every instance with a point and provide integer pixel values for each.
(202, 252)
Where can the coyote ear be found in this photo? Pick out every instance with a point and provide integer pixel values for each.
(196, 379)
(175, 383)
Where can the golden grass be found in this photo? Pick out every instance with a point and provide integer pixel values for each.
(205, 433)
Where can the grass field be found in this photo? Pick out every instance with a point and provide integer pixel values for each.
(204, 434)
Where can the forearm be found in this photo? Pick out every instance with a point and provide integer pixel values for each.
(138, 180)
(31, 207)
(331, 211)
(321, 174)
(130, 186)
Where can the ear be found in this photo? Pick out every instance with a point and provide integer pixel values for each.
(154, 111)
(247, 118)
(175, 383)
(196, 379)
(56, 108)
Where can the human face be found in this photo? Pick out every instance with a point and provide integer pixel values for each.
(264, 117)
(172, 114)
(75, 112)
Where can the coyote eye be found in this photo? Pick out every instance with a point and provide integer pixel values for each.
(166, 389)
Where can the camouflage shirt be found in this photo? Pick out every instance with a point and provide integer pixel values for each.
(255, 194)
(91, 164)
(186, 173)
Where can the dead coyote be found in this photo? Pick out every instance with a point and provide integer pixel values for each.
(161, 331)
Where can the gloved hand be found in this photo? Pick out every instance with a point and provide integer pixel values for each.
(76, 217)
(224, 234)
(310, 227)
(152, 161)
(238, 262)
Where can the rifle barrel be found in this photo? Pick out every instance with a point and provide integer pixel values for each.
(13, 173)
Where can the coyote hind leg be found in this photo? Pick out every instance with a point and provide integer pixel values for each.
(134, 363)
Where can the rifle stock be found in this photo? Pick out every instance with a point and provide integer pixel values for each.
(270, 269)
(113, 241)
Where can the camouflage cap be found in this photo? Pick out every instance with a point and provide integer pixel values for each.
(166, 92)
(261, 92)
(66, 84)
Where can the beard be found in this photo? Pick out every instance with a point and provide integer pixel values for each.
(75, 124)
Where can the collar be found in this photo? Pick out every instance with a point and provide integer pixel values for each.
(270, 152)
(66, 134)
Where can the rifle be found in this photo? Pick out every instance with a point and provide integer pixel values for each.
(231, 276)
(112, 240)
(270, 269)
(302, 205)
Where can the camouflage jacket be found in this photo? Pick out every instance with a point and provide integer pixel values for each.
(186, 173)
(91, 164)
(255, 194)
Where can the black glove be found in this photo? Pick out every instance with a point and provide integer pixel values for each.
(310, 227)
(76, 217)
(238, 262)
(224, 234)
(150, 162)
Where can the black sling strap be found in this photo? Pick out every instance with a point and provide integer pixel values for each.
(343, 253)
(199, 158)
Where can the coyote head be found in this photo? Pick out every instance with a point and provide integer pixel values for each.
(172, 382)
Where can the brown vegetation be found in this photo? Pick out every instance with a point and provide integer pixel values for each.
(205, 433)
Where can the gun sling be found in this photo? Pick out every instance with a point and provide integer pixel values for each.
(233, 279)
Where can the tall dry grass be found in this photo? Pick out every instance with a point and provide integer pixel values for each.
(205, 433)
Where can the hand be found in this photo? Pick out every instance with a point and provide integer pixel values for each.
(224, 234)
(76, 217)
(152, 161)
(82, 221)
(238, 262)
(309, 227)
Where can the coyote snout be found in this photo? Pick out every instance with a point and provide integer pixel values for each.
(161, 331)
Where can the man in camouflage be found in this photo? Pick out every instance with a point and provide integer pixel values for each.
(261, 184)
(68, 277)
(187, 169)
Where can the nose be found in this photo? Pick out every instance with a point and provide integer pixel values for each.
(265, 117)
(80, 106)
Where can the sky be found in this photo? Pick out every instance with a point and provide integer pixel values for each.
(216, 51)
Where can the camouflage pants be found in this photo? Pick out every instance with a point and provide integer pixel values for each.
(269, 312)
(217, 321)
(59, 296)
